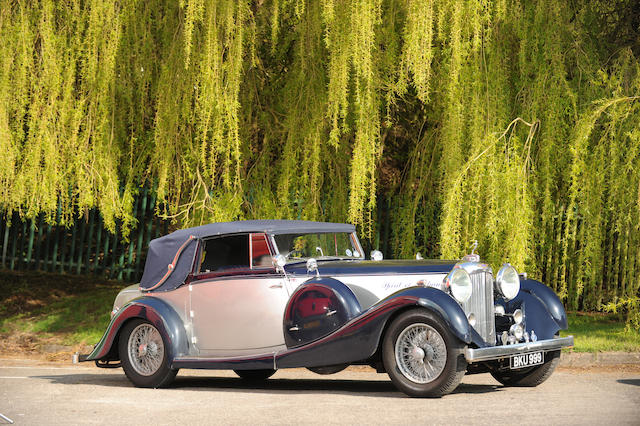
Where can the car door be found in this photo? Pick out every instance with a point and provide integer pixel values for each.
(237, 297)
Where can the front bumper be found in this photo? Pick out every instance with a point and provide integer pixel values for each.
(497, 352)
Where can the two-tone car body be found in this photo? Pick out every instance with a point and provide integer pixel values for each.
(257, 296)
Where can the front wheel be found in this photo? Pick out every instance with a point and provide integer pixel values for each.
(421, 356)
(532, 376)
(143, 355)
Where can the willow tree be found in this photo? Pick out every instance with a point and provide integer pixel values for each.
(427, 123)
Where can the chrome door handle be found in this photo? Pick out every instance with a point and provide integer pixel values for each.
(275, 286)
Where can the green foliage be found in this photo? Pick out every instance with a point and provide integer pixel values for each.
(504, 121)
(597, 332)
(632, 306)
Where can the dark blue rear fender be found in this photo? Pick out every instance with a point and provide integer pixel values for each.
(151, 309)
(548, 298)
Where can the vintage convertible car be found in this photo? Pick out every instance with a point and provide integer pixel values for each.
(257, 296)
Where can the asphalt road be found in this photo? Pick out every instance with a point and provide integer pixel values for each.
(33, 392)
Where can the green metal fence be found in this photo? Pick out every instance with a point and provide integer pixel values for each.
(85, 247)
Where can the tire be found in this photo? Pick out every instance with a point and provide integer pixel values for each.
(421, 356)
(529, 377)
(143, 353)
(255, 375)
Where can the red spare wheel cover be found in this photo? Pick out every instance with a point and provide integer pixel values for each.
(313, 306)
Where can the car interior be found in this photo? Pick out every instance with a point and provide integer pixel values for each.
(229, 252)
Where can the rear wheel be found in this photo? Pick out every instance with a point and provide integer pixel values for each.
(532, 376)
(421, 356)
(255, 375)
(143, 353)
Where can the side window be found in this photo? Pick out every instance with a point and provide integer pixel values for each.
(261, 256)
(224, 253)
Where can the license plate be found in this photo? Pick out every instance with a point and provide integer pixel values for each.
(526, 360)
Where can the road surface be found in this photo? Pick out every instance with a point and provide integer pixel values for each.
(37, 393)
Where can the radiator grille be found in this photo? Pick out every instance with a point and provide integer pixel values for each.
(481, 305)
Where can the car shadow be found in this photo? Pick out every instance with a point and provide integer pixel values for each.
(374, 388)
(632, 382)
(477, 388)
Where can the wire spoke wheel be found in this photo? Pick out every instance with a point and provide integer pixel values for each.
(421, 353)
(145, 349)
(421, 356)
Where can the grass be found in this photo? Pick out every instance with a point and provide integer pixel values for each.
(37, 309)
(599, 332)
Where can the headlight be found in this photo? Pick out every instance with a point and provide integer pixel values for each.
(508, 282)
(518, 316)
(459, 282)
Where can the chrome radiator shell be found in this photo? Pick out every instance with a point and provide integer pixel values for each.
(481, 305)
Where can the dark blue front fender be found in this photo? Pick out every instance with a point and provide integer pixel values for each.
(548, 298)
(543, 310)
(360, 338)
(444, 306)
(151, 309)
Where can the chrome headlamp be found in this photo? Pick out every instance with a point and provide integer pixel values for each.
(459, 283)
(508, 282)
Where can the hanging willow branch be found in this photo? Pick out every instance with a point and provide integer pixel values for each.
(395, 115)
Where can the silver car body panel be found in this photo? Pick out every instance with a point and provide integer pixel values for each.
(126, 295)
(237, 315)
(179, 300)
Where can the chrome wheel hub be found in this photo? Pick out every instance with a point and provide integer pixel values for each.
(142, 350)
(146, 350)
(429, 353)
(421, 353)
(416, 354)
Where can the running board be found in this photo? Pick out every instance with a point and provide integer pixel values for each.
(252, 362)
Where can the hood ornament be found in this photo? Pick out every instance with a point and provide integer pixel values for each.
(474, 246)
(473, 257)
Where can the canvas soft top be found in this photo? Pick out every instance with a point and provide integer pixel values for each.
(170, 258)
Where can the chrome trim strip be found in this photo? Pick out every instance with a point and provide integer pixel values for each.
(473, 267)
(496, 352)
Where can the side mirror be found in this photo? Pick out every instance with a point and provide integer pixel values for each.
(279, 261)
(312, 266)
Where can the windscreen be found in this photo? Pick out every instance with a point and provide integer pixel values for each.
(338, 245)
